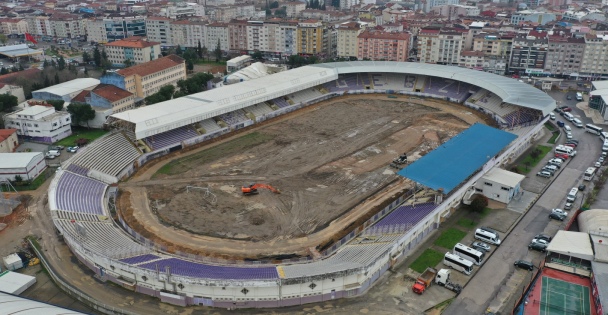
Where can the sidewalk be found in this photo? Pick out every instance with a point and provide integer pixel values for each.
(595, 116)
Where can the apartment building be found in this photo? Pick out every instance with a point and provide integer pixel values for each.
(564, 55)
(443, 46)
(146, 79)
(135, 48)
(158, 29)
(39, 25)
(430, 4)
(348, 43)
(595, 56)
(14, 26)
(381, 45)
(67, 25)
(471, 59)
(255, 38)
(309, 38)
(493, 44)
(182, 10)
(230, 12)
(541, 18)
(238, 35)
(217, 33)
(115, 27)
(294, 8)
(40, 123)
(456, 11)
(528, 55)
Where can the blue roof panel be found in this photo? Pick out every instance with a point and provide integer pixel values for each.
(454, 161)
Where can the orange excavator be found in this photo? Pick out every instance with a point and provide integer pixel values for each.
(252, 189)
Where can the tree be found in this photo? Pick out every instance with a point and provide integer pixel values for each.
(128, 63)
(164, 94)
(7, 102)
(189, 65)
(199, 50)
(58, 104)
(257, 55)
(274, 5)
(3, 71)
(178, 50)
(335, 3)
(282, 12)
(47, 82)
(81, 113)
(218, 51)
(97, 57)
(204, 52)
(86, 57)
(57, 78)
(268, 12)
(104, 56)
(61, 63)
(3, 39)
(479, 203)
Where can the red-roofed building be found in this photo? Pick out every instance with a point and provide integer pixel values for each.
(380, 45)
(110, 96)
(134, 48)
(8, 140)
(146, 79)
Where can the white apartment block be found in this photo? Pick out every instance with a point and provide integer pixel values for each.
(347, 33)
(71, 26)
(595, 56)
(217, 32)
(14, 26)
(429, 4)
(347, 4)
(294, 8)
(255, 35)
(133, 48)
(158, 29)
(39, 25)
(96, 31)
(440, 46)
(40, 123)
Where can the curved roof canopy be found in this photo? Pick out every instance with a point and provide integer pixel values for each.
(11, 304)
(175, 113)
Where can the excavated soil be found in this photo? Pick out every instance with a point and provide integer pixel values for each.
(324, 162)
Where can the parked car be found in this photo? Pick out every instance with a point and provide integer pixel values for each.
(57, 148)
(582, 187)
(544, 174)
(73, 149)
(481, 245)
(572, 145)
(523, 264)
(560, 123)
(598, 164)
(567, 109)
(538, 246)
(543, 237)
(569, 135)
(601, 160)
(568, 205)
(573, 140)
(562, 156)
(555, 216)
(569, 97)
(559, 211)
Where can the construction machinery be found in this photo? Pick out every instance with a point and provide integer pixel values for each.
(399, 162)
(252, 189)
(442, 278)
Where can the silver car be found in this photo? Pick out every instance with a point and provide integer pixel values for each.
(481, 245)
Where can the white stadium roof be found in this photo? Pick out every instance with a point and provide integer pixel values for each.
(168, 115)
(70, 87)
(11, 304)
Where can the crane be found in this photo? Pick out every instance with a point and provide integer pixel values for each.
(252, 189)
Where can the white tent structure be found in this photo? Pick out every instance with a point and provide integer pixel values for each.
(573, 244)
(11, 304)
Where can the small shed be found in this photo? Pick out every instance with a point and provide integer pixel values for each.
(500, 185)
(12, 262)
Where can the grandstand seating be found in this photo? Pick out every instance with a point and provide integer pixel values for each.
(347, 82)
(494, 104)
(171, 137)
(521, 116)
(139, 259)
(69, 215)
(233, 118)
(280, 102)
(478, 95)
(109, 155)
(209, 125)
(259, 109)
(191, 269)
(305, 95)
(393, 81)
(80, 194)
(410, 214)
(78, 169)
(103, 238)
(420, 83)
(449, 88)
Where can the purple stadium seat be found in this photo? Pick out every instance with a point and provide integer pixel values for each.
(410, 214)
(139, 259)
(80, 194)
(171, 137)
(191, 269)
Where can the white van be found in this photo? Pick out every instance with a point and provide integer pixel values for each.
(563, 149)
(568, 117)
(579, 96)
(572, 194)
(487, 236)
(577, 122)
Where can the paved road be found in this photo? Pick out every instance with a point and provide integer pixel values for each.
(492, 277)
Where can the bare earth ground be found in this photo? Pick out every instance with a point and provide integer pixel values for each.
(330, 163)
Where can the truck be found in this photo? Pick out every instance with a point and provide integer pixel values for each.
(441, 278)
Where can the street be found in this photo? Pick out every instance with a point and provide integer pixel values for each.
(481, 291)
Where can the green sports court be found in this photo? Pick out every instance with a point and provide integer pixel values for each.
(561, 297)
